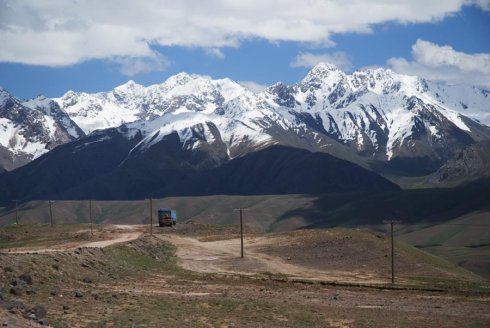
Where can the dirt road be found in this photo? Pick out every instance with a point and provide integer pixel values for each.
(223, 256)
(130, 285)
(317, 256)
(113, 234)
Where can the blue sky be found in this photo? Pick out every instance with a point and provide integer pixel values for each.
(50, 49)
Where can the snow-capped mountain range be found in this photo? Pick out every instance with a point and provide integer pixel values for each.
(370, 116)
(31, 128)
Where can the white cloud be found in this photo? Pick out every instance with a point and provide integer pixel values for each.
(432, 55)
(306, 59)
(214, 52)
(443, 63)
(60, 32)
(131, 66)
(253, 86)
(483, 4)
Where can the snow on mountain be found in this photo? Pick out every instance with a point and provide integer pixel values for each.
(93, 112)
(376, 112)
(31, 128)
(54, 114)
(461, 99)
(131, 102)
(195, 129)
(381, 112)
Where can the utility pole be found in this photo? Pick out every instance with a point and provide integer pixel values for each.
(392, 222)
(90, 214)
(151, 217)
(16, 201)
(241, 229)
(51, 212)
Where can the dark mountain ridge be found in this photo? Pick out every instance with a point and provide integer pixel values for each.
(99, 167)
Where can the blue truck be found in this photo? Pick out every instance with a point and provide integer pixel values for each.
(167, 217)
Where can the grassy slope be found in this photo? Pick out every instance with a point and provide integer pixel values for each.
(276, 212)
(41, 234)
(262, 210)
(417, 209)
(464, 241)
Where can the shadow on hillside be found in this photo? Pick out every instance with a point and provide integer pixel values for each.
(409, 206)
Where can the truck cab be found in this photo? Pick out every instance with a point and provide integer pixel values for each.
(167, 217)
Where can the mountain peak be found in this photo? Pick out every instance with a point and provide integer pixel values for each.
(4, 95)
(40, 102)
(42, 97)
(324, 67)
(4, 92)
(380, 73)
(179, 79)
(128, 86)
(321, 73)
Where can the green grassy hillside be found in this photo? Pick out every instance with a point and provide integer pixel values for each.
(261, 211)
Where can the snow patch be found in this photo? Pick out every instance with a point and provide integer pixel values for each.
(13, 139)
(86, 144)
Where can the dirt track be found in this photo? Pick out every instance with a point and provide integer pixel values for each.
(220, 256)
(261, 255)
(223, 256)
(114, 234)
(132, 283)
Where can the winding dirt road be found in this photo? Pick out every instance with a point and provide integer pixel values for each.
(223, 256)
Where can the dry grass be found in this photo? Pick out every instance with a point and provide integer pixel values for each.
(141, 283)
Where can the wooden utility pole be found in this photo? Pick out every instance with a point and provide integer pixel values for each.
(241, 229)
(392, 222)
(241, 234)
(16, 201)
(90, 214)
(51, 212)
(151, 217)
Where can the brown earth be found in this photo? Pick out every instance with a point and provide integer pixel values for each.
(340, 255)
(298, 279)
